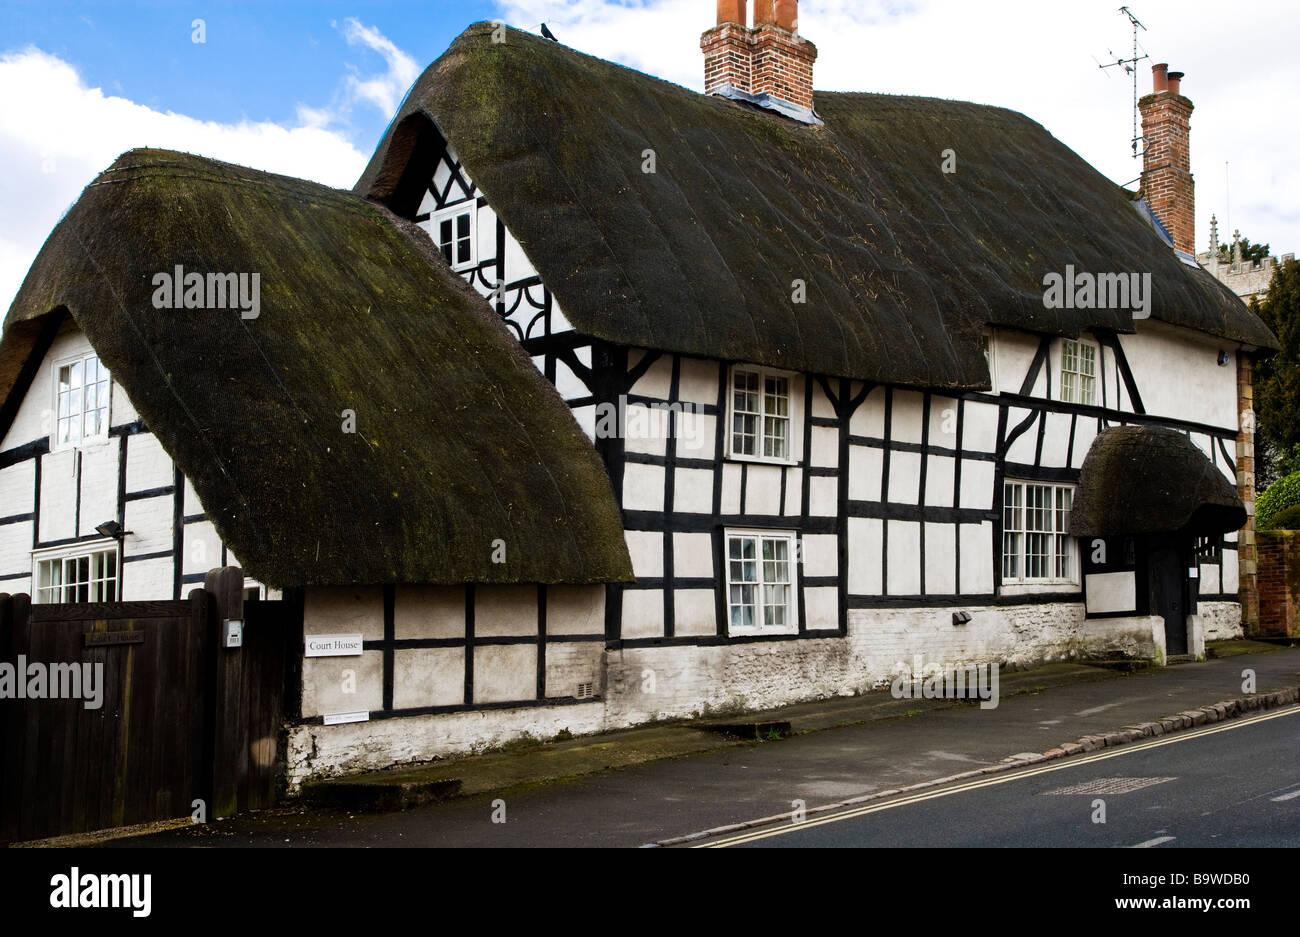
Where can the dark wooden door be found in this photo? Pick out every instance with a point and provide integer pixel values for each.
(1168, 572)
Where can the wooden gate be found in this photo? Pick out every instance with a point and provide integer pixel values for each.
(125, 712)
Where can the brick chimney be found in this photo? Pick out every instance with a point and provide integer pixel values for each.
(1166, 158)
(768, 58)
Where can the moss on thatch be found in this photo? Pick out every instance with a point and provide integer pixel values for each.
(1148, 480)
(904, 264)
(459, 441)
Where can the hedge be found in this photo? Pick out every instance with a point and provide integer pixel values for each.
(1281, 495)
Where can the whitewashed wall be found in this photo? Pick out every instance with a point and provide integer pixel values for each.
(646, 683)
(82, 487)
(447, 670)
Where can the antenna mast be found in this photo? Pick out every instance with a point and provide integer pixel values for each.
(1130, 66)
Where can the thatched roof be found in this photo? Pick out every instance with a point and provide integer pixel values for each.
(459, 439)
(904, 264)
(1148, 479)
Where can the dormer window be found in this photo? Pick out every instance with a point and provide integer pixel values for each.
(453, 232)
(81, 401)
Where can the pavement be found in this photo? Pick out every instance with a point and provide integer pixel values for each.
(676, 781)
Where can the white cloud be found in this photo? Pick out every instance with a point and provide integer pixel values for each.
(1031, 56)
(57, 134)
(383, 91)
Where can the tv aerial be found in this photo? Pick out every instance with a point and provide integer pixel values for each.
(1130, 67)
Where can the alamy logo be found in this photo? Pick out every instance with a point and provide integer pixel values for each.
(649, 421)
(84, 681)
(951, 681)
(76, 890)
(181, 290)
(1098, 291)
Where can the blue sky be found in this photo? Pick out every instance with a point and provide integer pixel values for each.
(260, 60)
(307, 88)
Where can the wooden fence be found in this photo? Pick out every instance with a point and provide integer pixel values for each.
(125, 712)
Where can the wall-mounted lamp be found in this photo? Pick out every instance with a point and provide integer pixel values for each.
(111, 529)
(960, 618)
(1223, 359)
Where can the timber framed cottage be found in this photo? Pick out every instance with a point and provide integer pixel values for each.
(863, 379)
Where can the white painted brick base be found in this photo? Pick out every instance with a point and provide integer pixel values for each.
(1222, 620)
(316, 751)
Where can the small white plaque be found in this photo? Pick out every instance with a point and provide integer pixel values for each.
(333, 719)
(333, 645)
(1194, 572)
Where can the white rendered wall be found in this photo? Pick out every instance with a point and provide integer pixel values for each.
(1178, 376)
(79, 490)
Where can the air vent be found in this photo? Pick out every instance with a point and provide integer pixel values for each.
(586, 691)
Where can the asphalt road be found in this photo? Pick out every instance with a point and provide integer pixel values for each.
(1231, 784)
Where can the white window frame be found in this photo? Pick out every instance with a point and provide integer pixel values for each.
(468, 208)
(73, 552)
(791, 539)
(1057, 536)
(794, 422)
(1077, 396)
(58, 365)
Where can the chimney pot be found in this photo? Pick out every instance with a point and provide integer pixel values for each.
(770, 58)
(1160, 77)
(1175, 80)
(732, 11)
(787, 15)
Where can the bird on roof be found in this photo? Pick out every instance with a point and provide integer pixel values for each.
(548, 34)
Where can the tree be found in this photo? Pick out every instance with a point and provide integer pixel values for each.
(1277, 379)
(1250, 253)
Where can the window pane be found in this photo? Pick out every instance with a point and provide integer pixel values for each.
(1078, 372)
(1010, 555)
(1035, 556)
(776, 417)
(82, 401)
(776, 566)
(1087, 390)
(91, 577)
(1012, 514)
(745, 413)
(1064, 558)
(445, 238)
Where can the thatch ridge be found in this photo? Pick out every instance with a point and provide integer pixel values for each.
(459, 440)
(904, 264)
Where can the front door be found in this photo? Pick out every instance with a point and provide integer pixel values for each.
(1168, 567)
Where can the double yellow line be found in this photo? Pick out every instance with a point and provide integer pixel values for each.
(1059, 765)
